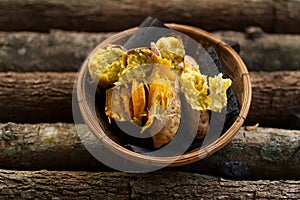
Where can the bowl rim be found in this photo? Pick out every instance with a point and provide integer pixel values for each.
(93, 122)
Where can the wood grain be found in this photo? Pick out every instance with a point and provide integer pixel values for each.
(36, 97)
(47, 97)
(103, 15)
(259, 154)
(21, 185)
(64, 51)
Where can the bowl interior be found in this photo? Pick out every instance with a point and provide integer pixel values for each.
(233, 66)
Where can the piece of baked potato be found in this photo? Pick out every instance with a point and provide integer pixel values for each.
(158, 88)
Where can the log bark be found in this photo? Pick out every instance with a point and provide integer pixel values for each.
(60, 51)
(270, 52)
(21, 185)
(34, 97)
(264, 153)
(57, 51)
(273, 16)
(47, 97)
(275, 98)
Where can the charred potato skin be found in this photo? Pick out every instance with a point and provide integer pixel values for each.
(203, 125)
(171, 124)
(190, 115)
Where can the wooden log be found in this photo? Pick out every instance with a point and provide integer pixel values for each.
(55, 51)
(21, 185)
(270, 52)
(47, 97)
(275, 98)
(65, 51)
(36, 97)
(273, 16)
(44, 146)
(264, 153)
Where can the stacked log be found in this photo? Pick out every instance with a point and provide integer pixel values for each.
(39, 96)
(118, 185)
(279, 16)
(263, 152)
(61, 51)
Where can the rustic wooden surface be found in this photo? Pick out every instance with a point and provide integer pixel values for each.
(63, 185)
(103, 15)
(65, 51)
(264, 153)
(47, 97)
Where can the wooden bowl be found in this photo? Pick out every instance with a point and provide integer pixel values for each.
(233, 67)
